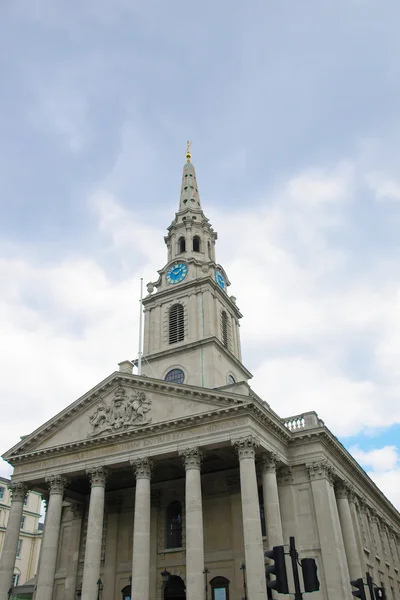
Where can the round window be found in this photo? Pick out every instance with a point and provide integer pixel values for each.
(231, 380)
(175, 376)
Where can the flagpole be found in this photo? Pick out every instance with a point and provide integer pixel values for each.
(140, 328)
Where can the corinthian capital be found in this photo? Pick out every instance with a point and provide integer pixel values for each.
(56, 483)
(320, 469)
(142, 467)
(192, 458)
(18, 491)
(342, 489)
(268, 462)
(97, 476)
(246, 446)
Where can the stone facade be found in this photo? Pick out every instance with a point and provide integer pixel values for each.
(197, 476)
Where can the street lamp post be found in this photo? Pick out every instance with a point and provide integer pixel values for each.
(206, 572)
(243, 569)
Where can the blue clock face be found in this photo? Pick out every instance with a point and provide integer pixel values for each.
(219, 278)
(176, 273)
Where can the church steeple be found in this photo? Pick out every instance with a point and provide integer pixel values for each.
(191, 332)
(190, 198)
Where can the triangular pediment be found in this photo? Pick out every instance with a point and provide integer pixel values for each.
(121, 404)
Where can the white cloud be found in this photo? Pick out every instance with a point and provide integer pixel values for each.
(383, 466)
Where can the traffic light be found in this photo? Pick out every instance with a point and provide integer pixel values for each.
(380, 593)
(280, 584)
(360, 592)
(310, 576)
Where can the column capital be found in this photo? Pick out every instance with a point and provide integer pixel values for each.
(142, 467)
(284, 475)
(97, 476)
(321, 469)
(343, 489)
(191, 457)
(246, 446)
(268, 462)
(18, 491)
(56, 483)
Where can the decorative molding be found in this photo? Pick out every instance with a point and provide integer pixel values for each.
(18, 491)
(125, 411)
(56, 483)
(142, 467)
(321, 469)
(269, 462)
(246, 446)
(284, 475)
(97, 476)
(192, 458)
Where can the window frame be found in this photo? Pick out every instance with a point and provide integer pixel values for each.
(19, 547)
(2, 492)
(219, 582)
(176, 369)
(176, 324)
(23, 519)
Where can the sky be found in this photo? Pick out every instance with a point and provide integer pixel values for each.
(292, 109)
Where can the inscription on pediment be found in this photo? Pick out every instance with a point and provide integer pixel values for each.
(126, 410)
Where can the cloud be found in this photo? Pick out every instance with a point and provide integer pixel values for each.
(383, 466)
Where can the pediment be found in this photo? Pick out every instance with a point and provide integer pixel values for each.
(119, 405)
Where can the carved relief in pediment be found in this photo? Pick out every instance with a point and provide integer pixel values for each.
(126, 410)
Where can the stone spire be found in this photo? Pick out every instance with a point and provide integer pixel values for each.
(190, 198)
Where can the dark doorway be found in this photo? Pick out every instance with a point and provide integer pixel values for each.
(127, 592)
(175, 589)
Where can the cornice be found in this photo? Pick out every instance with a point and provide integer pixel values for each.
(358, 474)
(185, 346)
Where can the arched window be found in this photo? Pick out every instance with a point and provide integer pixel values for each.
(174, 525)
(231, 379)
(176, 324)
(126, 592)
(209, 249)
(220, 588)
(196, 244)
(182, 244)
(224, 328)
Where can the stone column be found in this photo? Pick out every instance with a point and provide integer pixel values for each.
(91, 567)
(355, 513)
(110, 560)
(330, 535)
(342, 490)
(9, 553)
(141, 530)
(194, 525)
(73, 555)
(48, 559)
(272, 510)
(253, 546)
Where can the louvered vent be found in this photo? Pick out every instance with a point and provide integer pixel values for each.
(176, 324)
(224, 328)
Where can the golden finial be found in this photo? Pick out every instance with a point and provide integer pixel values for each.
(188, 155)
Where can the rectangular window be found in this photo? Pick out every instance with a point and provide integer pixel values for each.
(19, 548)
(22, 522)
(26, 500)
(15, 579)
(2, 490)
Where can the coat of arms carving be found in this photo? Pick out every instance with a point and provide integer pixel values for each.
(126, 410)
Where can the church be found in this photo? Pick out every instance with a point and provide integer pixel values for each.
(173, 482)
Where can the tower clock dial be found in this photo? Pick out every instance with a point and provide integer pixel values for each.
(176, 273)
(220, 279)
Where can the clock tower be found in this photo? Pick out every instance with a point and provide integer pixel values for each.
(191, 329)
